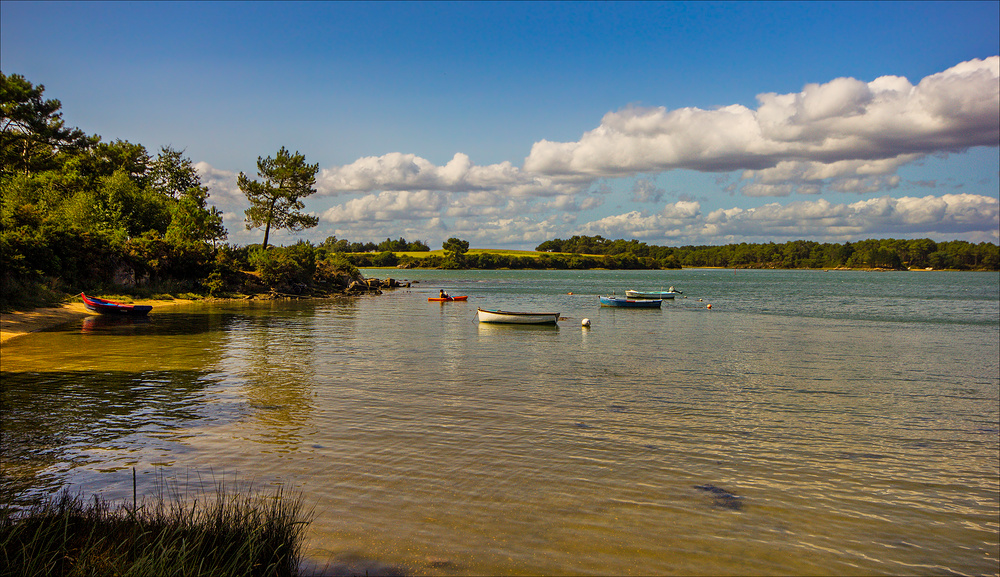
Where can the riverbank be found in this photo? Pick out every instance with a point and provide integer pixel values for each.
(20, 323)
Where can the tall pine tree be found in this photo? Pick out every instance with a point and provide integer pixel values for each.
(275, 202)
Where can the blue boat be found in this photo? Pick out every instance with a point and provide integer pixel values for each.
(614, 301)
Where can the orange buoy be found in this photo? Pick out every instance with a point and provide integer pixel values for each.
(709, 305)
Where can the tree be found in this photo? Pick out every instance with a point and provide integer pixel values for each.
(32, 131)
(455, 249)
(172, 173)
(275, 201)
(194, 221)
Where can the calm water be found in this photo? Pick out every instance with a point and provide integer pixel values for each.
(809, 423)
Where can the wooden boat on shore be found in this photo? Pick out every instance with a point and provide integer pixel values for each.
(613, 301)
(446, 299)
(106, 307)
(668, 294)
(516, 318)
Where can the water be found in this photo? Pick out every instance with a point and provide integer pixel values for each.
(809, 423)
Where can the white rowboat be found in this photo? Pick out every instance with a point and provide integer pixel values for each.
(508, 317)
(651, 294)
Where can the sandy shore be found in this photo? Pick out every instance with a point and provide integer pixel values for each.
(23, 322)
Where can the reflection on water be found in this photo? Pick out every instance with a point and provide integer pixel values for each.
(673, 441)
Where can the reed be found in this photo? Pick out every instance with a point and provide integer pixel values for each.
(230, 532)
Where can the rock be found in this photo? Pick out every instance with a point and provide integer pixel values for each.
(722, 497)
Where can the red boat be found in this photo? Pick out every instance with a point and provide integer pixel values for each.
(106, 307)
(445, 299)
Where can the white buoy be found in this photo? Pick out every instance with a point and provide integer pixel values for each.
(586, 323)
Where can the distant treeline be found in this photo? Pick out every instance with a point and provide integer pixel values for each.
(333, 244)
(589, 252)
(873, 253)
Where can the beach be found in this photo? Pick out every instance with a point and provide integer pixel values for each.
(18, 323)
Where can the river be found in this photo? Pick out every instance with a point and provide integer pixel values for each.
(809, 422)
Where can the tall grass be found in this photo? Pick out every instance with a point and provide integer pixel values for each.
(233, 532)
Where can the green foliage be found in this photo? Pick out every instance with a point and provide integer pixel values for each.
(285, 269)
(229, 533)
(172, 174)
(336, 270)
(456, 246)
(385, 259)
(76, 211)
(875, 253)
(455, 250)
(32, 131)
(276, 201)
(192, 220)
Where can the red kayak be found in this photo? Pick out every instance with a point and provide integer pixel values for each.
(445, 299)
(106, 307)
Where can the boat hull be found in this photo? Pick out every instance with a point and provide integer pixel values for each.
(517, 318)
(631, 303)
(106, 307)
(447, 299)
(651, 294)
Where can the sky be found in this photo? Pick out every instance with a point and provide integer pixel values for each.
(509, 124)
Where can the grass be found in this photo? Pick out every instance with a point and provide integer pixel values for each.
(229, 533)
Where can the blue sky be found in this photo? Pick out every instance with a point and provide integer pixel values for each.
(507, 124)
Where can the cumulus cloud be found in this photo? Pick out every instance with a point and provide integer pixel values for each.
(846, 136)
(398, 171)
(388, 206)
(844, 128)
(222, 189)
(951, 215)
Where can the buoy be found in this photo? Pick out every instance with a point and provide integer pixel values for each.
(585, 323)
(569, 293)
(709, 305)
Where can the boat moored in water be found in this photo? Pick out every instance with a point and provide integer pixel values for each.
(613, 301)
(667, 294)
(516, 318)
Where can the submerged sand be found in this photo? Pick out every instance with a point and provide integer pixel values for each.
(23, 322)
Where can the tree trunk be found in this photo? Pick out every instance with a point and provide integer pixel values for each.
(267, 228)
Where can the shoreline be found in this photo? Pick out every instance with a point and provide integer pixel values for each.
(20, 323)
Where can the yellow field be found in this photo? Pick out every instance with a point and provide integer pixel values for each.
(527, 253)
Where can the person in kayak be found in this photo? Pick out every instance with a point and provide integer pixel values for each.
(442, 294)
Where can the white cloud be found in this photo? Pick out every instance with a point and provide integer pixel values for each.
(845, 136)
(222, 189)
(950, 215)
(844, 128)
(388, 206)
(397, 171)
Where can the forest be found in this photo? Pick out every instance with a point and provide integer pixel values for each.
(890, 254)
(79, 213)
